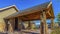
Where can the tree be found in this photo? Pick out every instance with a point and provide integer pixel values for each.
(58, 18)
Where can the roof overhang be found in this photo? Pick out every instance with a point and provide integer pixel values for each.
(9, 7)
(34, 12)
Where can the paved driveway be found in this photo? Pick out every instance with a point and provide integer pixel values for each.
(25, 32)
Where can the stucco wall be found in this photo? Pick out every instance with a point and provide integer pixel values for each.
(4, 14)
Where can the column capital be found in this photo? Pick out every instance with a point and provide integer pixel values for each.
(43, 11)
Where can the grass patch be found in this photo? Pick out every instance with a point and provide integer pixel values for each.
(56, 31)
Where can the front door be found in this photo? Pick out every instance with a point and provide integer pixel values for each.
(16, 23)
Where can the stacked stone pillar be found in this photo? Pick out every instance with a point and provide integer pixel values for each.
(29, 25)
(11, 25)
(52, 23)
(19, 23)
(43, 26)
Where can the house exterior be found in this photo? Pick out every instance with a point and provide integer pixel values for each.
(4, 12)
(14, 19)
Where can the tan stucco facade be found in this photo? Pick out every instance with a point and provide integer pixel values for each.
(4, 13)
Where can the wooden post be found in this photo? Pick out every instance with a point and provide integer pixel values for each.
(43, 27)
(52, 23)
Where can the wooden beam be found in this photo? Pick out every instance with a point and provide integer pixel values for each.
(49, 13)
(52, 12)
(49, 4)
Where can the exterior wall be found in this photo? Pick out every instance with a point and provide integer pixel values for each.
(4, 14)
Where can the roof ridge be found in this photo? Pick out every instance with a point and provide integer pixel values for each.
(36, 5)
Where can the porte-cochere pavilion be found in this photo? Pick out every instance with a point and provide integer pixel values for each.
(40, 12)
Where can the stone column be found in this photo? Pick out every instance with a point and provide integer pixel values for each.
(52, 23)
(43, 26)
(11, 25)
(19, 23)
(29, 25)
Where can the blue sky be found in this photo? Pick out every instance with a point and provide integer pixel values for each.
(24, 4)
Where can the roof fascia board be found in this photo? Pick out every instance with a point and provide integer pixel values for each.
(49, 4)
(13, 6)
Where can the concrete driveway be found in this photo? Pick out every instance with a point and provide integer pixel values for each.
(26, 32)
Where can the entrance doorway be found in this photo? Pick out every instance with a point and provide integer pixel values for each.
(16, 24)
